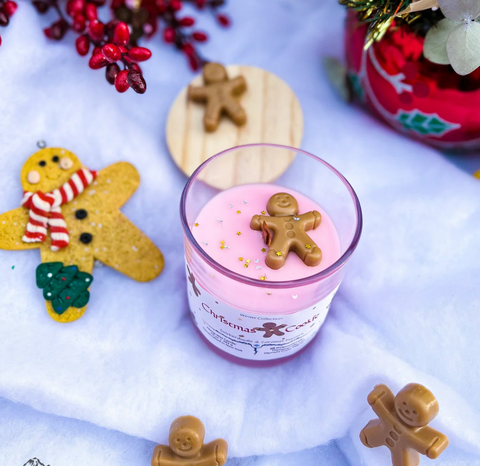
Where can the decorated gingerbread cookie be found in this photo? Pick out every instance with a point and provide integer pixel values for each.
(72, 215)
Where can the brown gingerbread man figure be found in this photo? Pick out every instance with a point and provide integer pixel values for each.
(219, 93)
(191, 279)
(402, 424)
(186, 447)
(289, 231)
(270, 329)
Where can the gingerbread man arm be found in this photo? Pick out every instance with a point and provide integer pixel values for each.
(12, 229)
(257, 222)
(312, 220)
(198, 93)
(135, 254)
(221, 450)
(430, 442)
(382, 401)
(121, 178)
(235, 111)
(163, 456)
(237, 86)
(217, 451)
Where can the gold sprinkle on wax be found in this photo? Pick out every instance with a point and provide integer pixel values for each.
(263, 212)
(248, 261)
(222, 247)
(222, 242)
(240, 259)
(278, 253)
(263, 278)
(239, 233)
(264, 249)
(239, 211)
(246, 266)
(308, 246)
(197, 224)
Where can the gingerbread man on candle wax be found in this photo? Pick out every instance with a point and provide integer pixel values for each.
(402, 424)
(186, 448)
(289, 231)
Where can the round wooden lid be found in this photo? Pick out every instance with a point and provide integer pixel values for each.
(274, 116)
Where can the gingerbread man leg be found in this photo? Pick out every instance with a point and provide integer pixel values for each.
(277, 255)
(308, 251)
(235, 111)
(405, 457)
(373, 434)
(313, 256)
(212, 116)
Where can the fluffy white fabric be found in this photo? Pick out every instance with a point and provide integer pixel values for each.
(407, 310)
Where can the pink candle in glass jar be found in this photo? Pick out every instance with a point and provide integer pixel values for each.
(240, 304)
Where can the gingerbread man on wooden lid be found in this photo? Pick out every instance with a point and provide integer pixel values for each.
(219, 93)
(402, 424)
(186, 448)
(284, 231)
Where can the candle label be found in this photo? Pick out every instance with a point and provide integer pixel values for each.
(254, 336)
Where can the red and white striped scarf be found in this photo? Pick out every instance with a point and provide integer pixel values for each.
(45, 210)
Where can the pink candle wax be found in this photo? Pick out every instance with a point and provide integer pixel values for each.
(265, 322)
(223, 230)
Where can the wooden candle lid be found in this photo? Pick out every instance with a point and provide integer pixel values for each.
(274, 116)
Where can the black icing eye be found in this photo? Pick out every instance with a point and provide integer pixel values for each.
(86, 238)
(56, 159)
(81, 214)
(42, 163)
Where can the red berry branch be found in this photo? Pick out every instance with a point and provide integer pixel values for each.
(115, 44)
(7, 9)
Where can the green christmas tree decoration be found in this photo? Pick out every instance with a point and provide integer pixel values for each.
(46, 271)
(64, 286)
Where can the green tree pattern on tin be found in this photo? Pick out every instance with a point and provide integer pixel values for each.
(423, 123)
(64, 286)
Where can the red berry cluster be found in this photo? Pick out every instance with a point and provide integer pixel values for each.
(115, 44)
(6, 12)
(152, 15)
(115, 37)
(110, 42)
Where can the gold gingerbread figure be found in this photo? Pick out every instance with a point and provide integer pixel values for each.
(186, 447)
(219, 94)
(289, 231)
(72, 215)
(402, 424)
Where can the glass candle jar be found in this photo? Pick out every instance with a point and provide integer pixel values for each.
(239, 304)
